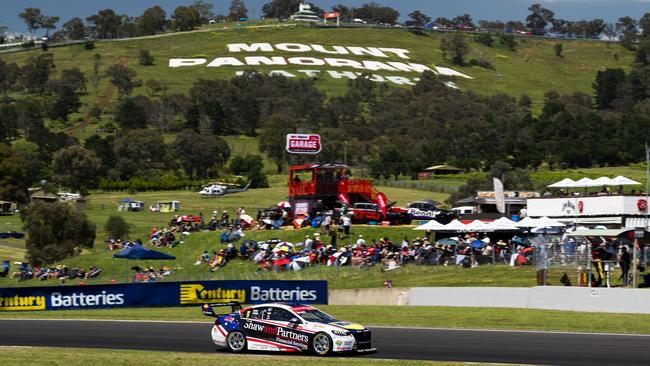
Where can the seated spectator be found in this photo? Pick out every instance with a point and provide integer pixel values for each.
(203, 258)
(4, 268)
(219, 261)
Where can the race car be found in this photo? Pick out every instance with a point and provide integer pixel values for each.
(286, 328)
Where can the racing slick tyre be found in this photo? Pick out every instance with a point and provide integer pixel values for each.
(321, 344)
(236, 341)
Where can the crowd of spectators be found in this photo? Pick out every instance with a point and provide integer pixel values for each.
(150, 274)
(60, 272)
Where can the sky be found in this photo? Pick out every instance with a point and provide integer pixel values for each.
(610, 10)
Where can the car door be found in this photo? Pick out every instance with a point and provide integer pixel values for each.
(289, 334)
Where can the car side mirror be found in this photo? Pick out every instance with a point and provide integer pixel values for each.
(295, 321)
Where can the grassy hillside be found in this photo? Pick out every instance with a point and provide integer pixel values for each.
(533, 69)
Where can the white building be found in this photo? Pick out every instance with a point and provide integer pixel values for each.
(305, 14)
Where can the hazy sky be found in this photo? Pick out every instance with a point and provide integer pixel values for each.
(610, 10)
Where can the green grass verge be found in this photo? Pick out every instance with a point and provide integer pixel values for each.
(407, 316)
(82, 357)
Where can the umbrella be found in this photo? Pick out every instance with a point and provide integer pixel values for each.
(431, 225)
(564, 183)
(546, 230)
(188, 218)
(605, 181)
(247, 219)
(140, 252)
(545, 221)
(527, 222)
(503, 224)
(447, 241)
(284, 204)
(478, 226)
(455, 225)
(622, 181)
(585, 183)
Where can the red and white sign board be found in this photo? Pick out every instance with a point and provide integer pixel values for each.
(303, 144)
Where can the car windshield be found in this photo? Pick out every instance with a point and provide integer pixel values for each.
(314, 315)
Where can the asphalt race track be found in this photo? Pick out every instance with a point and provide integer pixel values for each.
(394, 343)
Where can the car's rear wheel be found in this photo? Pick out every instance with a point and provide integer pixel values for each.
(236, 341)
(321, 344)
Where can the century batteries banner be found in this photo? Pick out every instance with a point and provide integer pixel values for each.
(161, 294)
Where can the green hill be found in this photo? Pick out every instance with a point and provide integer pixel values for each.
(532, 69)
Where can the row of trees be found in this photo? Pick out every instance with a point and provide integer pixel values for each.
(108, 24)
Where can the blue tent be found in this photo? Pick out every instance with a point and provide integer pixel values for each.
(127, 200)
(140, 252)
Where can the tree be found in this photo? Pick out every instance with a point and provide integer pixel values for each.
(250, 166)
(204, 9)
(3, 33)
(237, 10)
(123, 78)
(49, 23)
(32, 18)
(66, 101)
(558, 47)
(15, 177)
(116, 227)
(629, 30)
(141, 159)
(152, 21)
(76, 168)
(103, 149)
(538, 19)
(9, 75)
(146, 58)
(455, 45)
(55, 231)
(74, 78)
(418, 19)
(199, 151)
(186, 18)
(272, 138)
(130, 114)
(485, 39)
(106, 23)
(75, 28)
(8, 122)
(607, 86)
(36, 71)
(375, 13)
(280, 9)
(464, 20)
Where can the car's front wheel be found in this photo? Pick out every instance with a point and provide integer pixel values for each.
(321, 344)
(236, 341)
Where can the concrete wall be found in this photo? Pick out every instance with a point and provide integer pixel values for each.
(609, 300)
(370, 296)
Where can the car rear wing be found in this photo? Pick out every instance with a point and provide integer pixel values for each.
(207, 309)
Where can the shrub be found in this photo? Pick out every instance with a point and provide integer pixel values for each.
(146, 59)
(89, 45)
(116, 227)
(485, 39)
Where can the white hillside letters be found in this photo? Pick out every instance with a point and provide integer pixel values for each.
(317, 56)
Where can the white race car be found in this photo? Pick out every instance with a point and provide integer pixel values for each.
(286, 328)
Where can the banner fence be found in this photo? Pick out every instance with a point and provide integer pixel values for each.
(163, 294)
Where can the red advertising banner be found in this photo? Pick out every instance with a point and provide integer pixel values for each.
(303, 144)
(333, 15)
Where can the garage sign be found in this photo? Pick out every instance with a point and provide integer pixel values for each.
(303, 144)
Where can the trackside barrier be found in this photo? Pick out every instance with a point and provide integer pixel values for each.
(606, 300)
(163, 294)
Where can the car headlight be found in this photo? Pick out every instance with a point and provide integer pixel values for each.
(341, 333)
